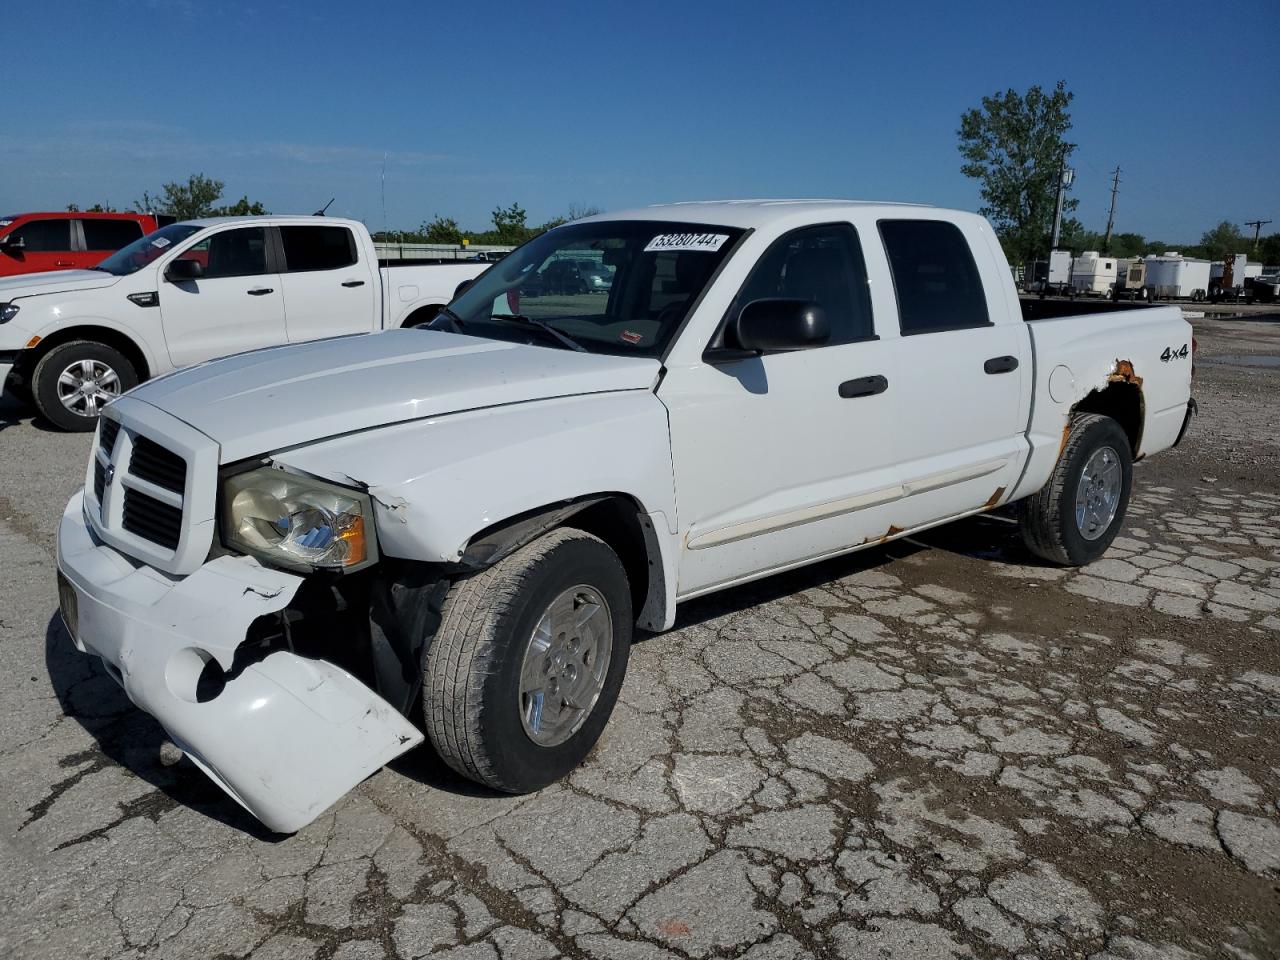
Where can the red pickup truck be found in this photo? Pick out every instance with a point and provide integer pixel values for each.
(35, 242)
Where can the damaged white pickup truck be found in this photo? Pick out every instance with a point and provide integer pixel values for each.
(303, 559)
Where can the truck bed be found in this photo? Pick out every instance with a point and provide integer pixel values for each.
(1035, 308)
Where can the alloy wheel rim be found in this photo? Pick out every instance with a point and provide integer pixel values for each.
(565, 665)
(86, 386)
(1098, 493)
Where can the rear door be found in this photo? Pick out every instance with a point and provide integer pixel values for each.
(961, 367)
(236, 306)
(45, 244)
(102, 237)
(328, 289)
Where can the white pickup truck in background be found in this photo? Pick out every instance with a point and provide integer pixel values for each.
(304, 560)
(189, 292)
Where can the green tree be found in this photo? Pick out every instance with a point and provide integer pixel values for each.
(1268, 252)
(1014, 144)
(96, 208)
(1223, 240)
(442, 230)
(509, 223)
(196, 198)
(1128, 245)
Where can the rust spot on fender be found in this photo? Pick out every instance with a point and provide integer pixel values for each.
(893, 531)
(1124, 373)
(994, 498)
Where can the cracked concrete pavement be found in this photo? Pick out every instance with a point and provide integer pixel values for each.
(939, 749)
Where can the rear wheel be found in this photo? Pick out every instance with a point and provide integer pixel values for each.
(74, 381)
(1072, 520)
(528, 661)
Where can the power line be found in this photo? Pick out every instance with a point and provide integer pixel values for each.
(1257, 228)
(1111, 215)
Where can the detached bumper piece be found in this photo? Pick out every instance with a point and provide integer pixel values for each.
(285, 736)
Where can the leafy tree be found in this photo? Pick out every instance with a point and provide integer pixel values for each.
(1128, 245)
(509, 223)
(1268, 252)
(1014, 145)
(241, 208)
(96, 208)
(1223, 240)
(196, 198)
(442, 230)
(577, 212)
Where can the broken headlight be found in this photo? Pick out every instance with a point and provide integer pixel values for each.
(297, 522)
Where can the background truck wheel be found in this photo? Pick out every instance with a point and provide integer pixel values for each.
(1077, 514)
(72, 382)
(526, 666)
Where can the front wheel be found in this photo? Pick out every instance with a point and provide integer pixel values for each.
(528, 661)
(74, 381)
(1072, 520)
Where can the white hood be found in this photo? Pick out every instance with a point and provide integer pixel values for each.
(53, 281)
(268, 400)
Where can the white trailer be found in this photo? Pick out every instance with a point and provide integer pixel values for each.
(1093, 275)
(1173, 276)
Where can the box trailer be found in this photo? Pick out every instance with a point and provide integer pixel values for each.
(1173, 276)
(1092, 274)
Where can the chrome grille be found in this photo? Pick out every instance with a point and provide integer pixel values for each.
(152, 519)
(153, 463)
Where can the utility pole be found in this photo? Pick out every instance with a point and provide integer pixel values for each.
(1065, 176)
(1257, 228)
(1111, 215)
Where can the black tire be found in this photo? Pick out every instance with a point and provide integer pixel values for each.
(1047, 518)
(471, 673)
(44, 381)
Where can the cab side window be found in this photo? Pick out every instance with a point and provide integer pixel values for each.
(934, 276)
(44, 236)
(109, 234)
(232, 253)
(308, 249)
(822, 264)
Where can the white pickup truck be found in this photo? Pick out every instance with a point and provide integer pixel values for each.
(302, 560)
(76, 339)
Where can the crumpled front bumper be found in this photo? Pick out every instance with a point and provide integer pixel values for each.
(286, 736)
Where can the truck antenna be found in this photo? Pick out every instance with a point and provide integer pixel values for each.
(320, 212)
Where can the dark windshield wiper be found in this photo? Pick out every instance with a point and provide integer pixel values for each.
(560, 335)
(445, 312)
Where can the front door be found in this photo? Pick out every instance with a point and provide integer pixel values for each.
(786, 457)
(37, 246)
(236, 305)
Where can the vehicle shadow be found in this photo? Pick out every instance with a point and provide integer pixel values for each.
(990, 537)
(132, 739)
(14, 412)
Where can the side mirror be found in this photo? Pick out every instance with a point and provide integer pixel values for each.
(463, 287)
(771, 325)
(181, 271)
(13, 243)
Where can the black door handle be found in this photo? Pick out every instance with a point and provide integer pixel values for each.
(1001, 365)
(864, 387)
(353, 283)
(261, 291)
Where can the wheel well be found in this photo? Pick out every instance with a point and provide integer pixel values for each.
(1122, 401)
(613, 517)
(423, 315)
(104, 335)
(616, 521)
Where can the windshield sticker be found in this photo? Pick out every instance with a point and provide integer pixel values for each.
(705, 242)
(160, 242)
(630, 336)
(5, 223)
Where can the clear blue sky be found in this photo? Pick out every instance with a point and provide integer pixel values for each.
(613, 104)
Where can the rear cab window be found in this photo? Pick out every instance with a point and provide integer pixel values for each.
(311, 248)
(935, 277)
